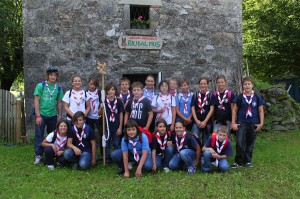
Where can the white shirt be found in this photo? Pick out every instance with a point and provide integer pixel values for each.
(94, 102)
(166, 101)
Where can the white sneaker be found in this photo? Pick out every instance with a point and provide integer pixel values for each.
(166, 170)
(37, 159)
(130, 165)
(51, 167)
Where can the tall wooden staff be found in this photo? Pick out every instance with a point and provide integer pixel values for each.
(102, 72)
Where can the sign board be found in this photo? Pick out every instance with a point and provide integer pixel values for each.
(140, 42)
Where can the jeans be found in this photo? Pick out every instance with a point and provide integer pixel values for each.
(203, 134)
(84, 160)
(245, 139)
(114, 139)
(50, 122)
(218, 124)
(50, 155)
(169, 151)
(223, 164)
(117, 157)
(185, 156)
(97, 122)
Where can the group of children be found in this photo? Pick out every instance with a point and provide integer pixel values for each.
(165, 130)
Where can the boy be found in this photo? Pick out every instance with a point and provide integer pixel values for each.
(47, 105)
(139, 108)
(247, 120)
(217, 148)
(125, 93)
(173, 86)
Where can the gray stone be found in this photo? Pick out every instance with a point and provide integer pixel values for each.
(276, 118)
(280, 128)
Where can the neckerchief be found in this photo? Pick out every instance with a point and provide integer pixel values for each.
(221, 101)
(147, 93)
(248, 112)
(77, 98)
(128, 96)
(135, 106)
(185, 101)
(135, 153)
(94, 97)
(60, 141)
(163, 144)
(47, 86)
(179, 146)
(200, 103)
(80, 136)
(165, 104)
(173, 93)
(219, 149)
(112, 109)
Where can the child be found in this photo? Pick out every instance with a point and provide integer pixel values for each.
(188, 149)
(81, 143)
(183, 104)
(134, 147)
(149, 90)
(54, 145)
(114, 109)
(222, 101)
(217, 148)
(202, 110)
(47, 105)
(125, 94)
(139, 108)
(76, 99)
(164, 105)
(162, 149)
(248, 111)
(173, 86)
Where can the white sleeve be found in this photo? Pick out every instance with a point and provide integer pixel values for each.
(66, 97)
(154, 102)
(173, 101)
(49, 137)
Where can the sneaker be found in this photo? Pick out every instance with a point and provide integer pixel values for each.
(130, 165)
(37, 159)
(166, 169)
(191, 170)
(214, 164)
(51, 167)
(236, 165)
(249, 164)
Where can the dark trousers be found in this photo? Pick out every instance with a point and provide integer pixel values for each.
(98, 123)
(50, 155)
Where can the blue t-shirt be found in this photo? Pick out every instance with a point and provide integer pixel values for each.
(141, 112)
(225, 151)
(222, 113)
(180, 104)
(190, 142)
(86, 139)
(113, 126)
(257, 101)
(140, 146)
(206, 107)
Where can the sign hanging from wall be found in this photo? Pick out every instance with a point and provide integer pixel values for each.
(140, 42)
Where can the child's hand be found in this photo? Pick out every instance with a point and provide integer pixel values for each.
(59, 153)
(54, 148)
(126, 174)
(94, 163)
(138, 173)
(39, 121)
(198, 122)
(234, 127)
(77, 151)
(154, 167)
(162, 109)
(169, 143)
(258, 127)
(172, 128)
(217, 156)
(188, 121)
(119, 131)
(203, 124)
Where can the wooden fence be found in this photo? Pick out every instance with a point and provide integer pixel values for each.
(12, 117)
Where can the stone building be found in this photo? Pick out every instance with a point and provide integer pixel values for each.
(190, 38)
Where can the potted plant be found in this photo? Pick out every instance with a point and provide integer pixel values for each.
(139, 23)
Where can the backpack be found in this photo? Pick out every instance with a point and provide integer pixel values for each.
(147, 133)
(54, 137)
(214, 139)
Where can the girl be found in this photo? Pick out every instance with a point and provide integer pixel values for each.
(173, 86)
(134, 147)
(162, 149)
(81, 143)
(54, 145)
(164, 105)
(222, 101)
(76, 99)
(149, 90)
(188, 149)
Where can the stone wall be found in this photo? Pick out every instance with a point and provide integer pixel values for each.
(200, 38)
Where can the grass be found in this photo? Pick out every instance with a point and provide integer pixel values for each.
(275, 174)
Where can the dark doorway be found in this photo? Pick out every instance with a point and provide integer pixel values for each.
(141, 78)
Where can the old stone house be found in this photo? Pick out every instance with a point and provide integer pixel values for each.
(190, 38)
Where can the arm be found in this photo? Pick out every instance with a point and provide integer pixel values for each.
(138, 172)
(119, 131)
(210, 113)
(38, 119)
(88, 107)
(173, 118)
(261, 117)
(125, 161)
(219, 157)
(45, 143)
(149, 121)
(198, 122)
(155, 110)
(234, 125)
(59, 107)
(93, 142)
(154, 160)
(67, 109)
(198, 153)
(125, 118)
(70, 145)
(212, 151)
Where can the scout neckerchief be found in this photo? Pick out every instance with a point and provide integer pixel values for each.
(221, 101)
(51, 93)
(149, 91)
(219, 149)
(60, 141)
(185, 101)
(163, 144)
(77, 96)
(135, 106)
(200, 103)
(94, 97)
(79, 136)
(128, 96)
(173, 93)
(135, 153)
(179, 146)
(165, 104)
(248, 112)
(112, 109)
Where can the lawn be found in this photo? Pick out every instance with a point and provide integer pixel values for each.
(276, 174)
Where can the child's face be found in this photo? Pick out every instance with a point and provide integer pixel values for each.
(203, 85)
(80, 122)
(248, 86)
(92, 86)
(62, 128)
(77, 83)
(150, 82)
(179, 129)
(52, 77)
(124, 85)
(221, 83)
(184, 87)
(164, 88)
(137, 92)
(111, 92)
(161, 128)
(221, 136)
(173, 84)
(131, 132)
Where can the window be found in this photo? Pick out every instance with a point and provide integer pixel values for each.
(139, 17)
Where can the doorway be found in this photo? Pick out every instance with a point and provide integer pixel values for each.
(141, 77)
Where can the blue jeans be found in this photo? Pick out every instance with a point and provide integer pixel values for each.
(117, 157)
(50, 122)
(84, 160)
(185, 156)
(50, 155)
(245, 139)
(203, 134)
(114, 139)
(207, 157)
(169, 151)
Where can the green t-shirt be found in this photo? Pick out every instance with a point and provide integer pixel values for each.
(48, 104)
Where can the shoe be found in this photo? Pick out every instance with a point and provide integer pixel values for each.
(214, 164)
(249, 164)
(191, 170)
(166, 169)
(51, 167)
(37, 159)
(236, 165)
(130, 165)
(75, 166)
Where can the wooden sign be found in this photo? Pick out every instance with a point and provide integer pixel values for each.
(140, 42)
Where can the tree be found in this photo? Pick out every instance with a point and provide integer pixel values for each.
(11, 42)
(271, 34)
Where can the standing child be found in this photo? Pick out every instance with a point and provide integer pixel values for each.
(81, 143)
(183, 104)
(247, 119)
(217, 148)
(54, 145)
(134, 147)
(149, 90)
(125, 93)
(162, 148)
(173, 86)
(76, 99)
(188, 150)
(164, 105)
(202, 110)
(222, 100)
(47, 106)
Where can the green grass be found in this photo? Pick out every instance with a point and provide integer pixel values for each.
(276, 174)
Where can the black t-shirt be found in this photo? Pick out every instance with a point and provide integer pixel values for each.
(206, 107)
(155, 144)
(222, 113)
(113, 126)
(86, 139)
(190, 142)
(140, 114)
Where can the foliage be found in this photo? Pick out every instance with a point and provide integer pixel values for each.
(11, 42)
(274, 175)
(271, 39)
(139, 21)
